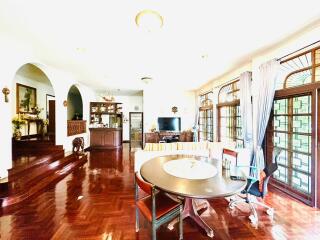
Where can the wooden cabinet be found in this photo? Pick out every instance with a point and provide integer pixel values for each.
(186, 136)
(152, 137)
(106, 125)
(105, 138)
(76, 127)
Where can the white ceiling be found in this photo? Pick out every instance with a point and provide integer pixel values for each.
(100, 44)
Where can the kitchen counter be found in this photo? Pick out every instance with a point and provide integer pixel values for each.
(105, 138)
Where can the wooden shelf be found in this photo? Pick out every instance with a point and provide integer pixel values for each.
(98, 109)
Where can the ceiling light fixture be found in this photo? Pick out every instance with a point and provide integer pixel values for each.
(149, 20)
(204, 56)
(146, 80)
(109, 97)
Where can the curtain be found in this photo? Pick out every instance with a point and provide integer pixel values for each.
(264, 85)
(195, 127)
(215, 101)
(246, 108)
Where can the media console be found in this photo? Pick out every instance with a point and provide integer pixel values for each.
(156, 137)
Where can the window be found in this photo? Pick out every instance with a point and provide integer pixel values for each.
(229, 123)
(292, 133)
(292, 126)
(206, 118)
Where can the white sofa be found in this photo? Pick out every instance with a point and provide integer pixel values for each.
(206, 149)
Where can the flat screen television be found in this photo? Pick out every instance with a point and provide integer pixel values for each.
(169, 124)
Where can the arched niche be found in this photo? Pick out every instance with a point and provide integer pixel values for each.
(34, 98)
(74, 104)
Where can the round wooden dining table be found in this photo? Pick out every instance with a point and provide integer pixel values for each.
(219, 185)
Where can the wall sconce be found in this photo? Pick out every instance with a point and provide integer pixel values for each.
(6, 92)
(174, 110)
(65, 103)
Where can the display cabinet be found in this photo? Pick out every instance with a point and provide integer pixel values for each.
(107, 113)
(105, 125)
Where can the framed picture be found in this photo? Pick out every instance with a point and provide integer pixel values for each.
(26, 98)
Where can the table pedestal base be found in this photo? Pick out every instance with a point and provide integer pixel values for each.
(191, 210)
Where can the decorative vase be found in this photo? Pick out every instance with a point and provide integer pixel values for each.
(17, 134)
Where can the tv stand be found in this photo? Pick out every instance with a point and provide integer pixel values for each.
(156, 137)
(168, 138)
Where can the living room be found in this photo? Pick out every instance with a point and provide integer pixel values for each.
(96, 105)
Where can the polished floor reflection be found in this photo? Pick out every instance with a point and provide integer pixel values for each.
(97, 202)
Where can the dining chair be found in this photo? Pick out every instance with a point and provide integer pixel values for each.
(258, 188)
(229, 156)
(157, 207)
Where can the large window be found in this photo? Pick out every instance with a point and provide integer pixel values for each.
(292, 133)
(229, 117)
(292, 125)
(206, 118)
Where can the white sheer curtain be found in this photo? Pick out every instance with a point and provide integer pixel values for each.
(264, 85)
(215, 101)
(246, 108)
(195, 127)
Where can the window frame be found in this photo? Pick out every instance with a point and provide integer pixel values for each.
(233, 105)
(312, 89)
(207, 110)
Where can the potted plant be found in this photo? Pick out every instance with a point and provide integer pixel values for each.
(37, 110)
(17, 122)
(45, 123)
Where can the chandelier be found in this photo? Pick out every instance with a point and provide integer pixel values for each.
(108, 97)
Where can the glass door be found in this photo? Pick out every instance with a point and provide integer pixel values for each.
(292, 130)
(136, 129)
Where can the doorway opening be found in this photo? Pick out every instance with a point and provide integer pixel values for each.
(136, 130)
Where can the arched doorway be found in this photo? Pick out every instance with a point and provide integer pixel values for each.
(76, 124)
(33, 108)
(75, 105)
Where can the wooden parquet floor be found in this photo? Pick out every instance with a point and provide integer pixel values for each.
(97, 202)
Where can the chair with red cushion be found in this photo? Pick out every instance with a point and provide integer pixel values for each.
(258, 188)
(156, 207)
(229, 155)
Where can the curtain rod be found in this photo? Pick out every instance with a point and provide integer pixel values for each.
(287, 55)
(225, 83)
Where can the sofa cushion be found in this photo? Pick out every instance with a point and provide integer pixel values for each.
(192, 145)
(160, 147)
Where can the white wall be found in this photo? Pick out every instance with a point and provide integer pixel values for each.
(128, 105)
(12, 57)
(158, 103)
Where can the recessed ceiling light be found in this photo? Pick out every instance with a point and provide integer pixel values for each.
(81, 49)
(149, 20)
(204, 56)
